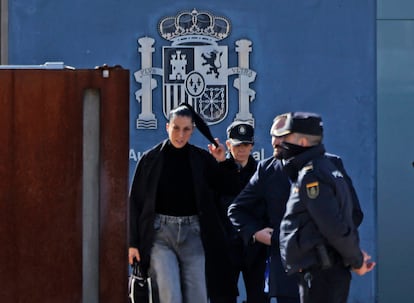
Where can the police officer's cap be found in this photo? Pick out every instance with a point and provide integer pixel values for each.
(297, 122)
(240, 132)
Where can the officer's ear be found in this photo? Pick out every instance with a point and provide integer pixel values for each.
(228, 144)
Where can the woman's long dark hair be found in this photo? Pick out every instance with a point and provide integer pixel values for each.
(187, 110)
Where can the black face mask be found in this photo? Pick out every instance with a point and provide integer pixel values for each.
(290, 150)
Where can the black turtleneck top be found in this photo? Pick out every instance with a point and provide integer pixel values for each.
(175, 194)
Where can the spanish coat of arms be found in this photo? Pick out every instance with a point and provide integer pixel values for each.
(195, 69)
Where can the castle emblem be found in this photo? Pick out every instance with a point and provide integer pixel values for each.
(195, 69)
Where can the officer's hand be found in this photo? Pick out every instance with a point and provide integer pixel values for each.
(264, 236)
(367, 266)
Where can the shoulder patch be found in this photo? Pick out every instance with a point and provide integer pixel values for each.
(312, 190)
(337, 174)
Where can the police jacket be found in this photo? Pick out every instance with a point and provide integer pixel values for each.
(244, 175)
(318, 215)
(209, 176)
(262, 204)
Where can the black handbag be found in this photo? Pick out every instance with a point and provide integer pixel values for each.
(139, 285)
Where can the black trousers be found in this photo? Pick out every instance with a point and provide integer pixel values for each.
(253, 276)
(325, 286)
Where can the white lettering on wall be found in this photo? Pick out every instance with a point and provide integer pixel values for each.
(258, 155)
(134, 155)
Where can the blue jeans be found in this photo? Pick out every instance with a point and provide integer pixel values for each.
(177, 260)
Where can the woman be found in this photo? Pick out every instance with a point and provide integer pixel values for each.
(174, 226)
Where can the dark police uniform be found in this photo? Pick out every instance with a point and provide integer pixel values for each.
(250, 260)
(262, 204)
(318, 237)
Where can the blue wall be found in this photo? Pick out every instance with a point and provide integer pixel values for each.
(395, 49)
(309, 55)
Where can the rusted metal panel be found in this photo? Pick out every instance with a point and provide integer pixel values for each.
(41, 184)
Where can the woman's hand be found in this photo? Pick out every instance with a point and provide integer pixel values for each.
(133, 253)
(219, 153)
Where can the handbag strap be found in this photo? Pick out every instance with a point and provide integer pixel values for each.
(137, 269)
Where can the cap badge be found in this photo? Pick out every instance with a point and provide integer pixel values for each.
(242, 130)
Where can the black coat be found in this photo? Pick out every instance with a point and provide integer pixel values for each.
(209, 177)
(242, 257)
(260, 204)
(244, 175)
(319, 213)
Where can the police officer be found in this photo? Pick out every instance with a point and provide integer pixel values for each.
(318, 237)
(248, 260)
(258, 210)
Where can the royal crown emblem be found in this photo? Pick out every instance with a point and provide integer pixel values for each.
(195, 69)
(194, 25)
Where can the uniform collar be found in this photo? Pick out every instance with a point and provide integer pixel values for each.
(293, 165)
